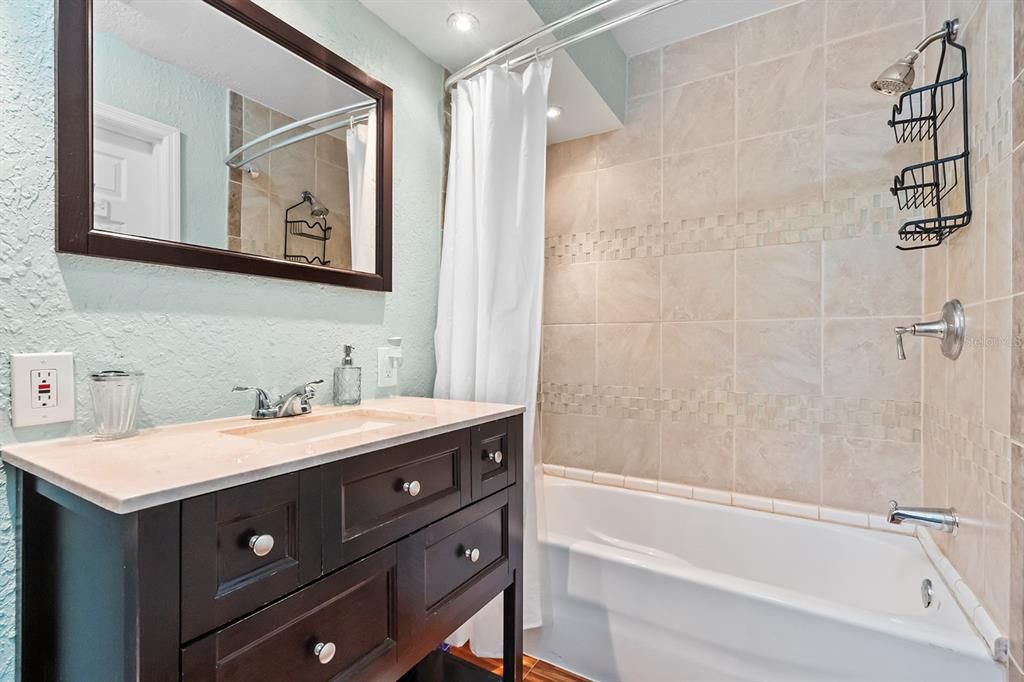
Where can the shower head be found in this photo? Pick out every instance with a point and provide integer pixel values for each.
(899, 78)
(316, 208)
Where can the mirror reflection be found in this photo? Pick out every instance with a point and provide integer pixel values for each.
(207, 133)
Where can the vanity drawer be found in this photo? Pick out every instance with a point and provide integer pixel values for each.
(350, 612)
(243, 547)
(443, 586)
(374, 499)
(495, 449)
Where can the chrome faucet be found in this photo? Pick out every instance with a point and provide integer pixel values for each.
(292, 403)
(949, 330)
(936, 518)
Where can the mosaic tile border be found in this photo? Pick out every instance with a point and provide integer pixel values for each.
(984, 451)
(809, 414)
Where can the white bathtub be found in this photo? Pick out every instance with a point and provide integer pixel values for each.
(643, 587)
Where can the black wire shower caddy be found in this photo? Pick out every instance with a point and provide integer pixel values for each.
(318, 230)
(917, 117)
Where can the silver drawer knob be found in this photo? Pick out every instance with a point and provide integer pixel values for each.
(496, 457)
(325, 652)
(472, 554)
(412, 487)
(261, 544)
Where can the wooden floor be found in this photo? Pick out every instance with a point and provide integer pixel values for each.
(533, 670)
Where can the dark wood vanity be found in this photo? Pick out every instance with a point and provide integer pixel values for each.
(354, 569)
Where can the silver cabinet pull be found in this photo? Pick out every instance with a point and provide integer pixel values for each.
(325, 652)
(496, 456)
(412, 487)
(472, 554)
(261, 544)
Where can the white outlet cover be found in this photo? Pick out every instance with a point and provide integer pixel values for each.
(387, 373)
(27, 409)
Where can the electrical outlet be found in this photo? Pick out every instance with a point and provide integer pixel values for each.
(387, 373)
(42, 388)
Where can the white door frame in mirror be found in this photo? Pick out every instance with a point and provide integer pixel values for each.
(165, 142)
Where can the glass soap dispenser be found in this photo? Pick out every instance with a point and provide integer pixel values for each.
(347, 380)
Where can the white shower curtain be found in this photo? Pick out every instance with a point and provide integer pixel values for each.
(492, 267)
(362, 193)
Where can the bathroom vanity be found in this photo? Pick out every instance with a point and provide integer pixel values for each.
(341, 545)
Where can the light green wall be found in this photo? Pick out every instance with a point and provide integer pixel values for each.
(128, 79)
(197, 333)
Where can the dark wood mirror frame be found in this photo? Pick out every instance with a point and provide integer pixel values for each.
(74, 154)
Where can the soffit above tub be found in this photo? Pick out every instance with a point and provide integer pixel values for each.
(424, 24)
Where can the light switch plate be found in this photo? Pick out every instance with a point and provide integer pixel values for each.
(42, 388)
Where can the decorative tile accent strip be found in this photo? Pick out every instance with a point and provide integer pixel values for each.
(979, 454)
(811, 414)
(767, 505)
(965, 599)
(871, 214)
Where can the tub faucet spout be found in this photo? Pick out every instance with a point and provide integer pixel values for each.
(936, 518)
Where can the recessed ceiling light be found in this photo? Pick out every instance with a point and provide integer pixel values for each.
(463, 21)
(554, 112)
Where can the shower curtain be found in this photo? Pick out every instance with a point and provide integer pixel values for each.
(362, 193)
(492, 267)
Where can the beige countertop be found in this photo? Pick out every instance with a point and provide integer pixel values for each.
(170, 463)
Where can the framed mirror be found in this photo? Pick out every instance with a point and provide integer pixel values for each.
(212, 134)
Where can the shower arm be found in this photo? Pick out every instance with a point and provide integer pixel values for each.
(949, 28)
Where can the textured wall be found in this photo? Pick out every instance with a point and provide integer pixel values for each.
(198, 333)
(130, 80)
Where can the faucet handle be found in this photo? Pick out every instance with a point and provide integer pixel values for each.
(261, 395)
(900, 331)
(309, 387)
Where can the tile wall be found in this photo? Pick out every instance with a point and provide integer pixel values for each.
(256, 205)
(722, 281)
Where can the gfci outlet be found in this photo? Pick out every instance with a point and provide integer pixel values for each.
(42, 388)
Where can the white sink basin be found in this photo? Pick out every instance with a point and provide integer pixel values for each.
(304, 429)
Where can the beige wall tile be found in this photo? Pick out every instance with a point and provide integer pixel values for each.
(332, 149)
(850, 17)
(967, 548)
(570, 293)
(569, 439)
(861, 156)
(779, 357)
(573, 156)
(778, 281)
(1018, 55)
(965, 378)
(934, 375)
(697, 355)
(863, 474)
(1018, 222)
(701, 183)
(332, 190)
(934, 473)
(699, 57)
(570, 204)
(870, 276)
(629, 290)
(998, 340)
(638, 139)
(780, 94)
(1016, 478)
(697, 286)
(860, 361)
(631, 447)
(629, 195)
(852, 64)
(569, 354)
(964, 9)
(255, 214)
(996, 593)
(934, 279)
(643, 73)
(761, 185)
(293, 169)
(1017, 372)
(1015, 632)
(255, 117)
(782, 465)
(785, 30)
(699, 114)
(966, 255)
(629, 355)
(999, 232)
(697, 454)
(998, 48)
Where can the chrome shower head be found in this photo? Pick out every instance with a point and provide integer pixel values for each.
(898, 78)
(316, 208)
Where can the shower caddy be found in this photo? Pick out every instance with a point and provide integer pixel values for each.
(918, 116)
(318, 231)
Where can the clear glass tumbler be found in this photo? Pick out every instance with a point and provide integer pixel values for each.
(115, 402)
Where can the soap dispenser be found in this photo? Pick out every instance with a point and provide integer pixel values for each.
(347, 380)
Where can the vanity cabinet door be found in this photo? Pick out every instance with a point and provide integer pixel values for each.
(243, 547)
(495, 452)
(342, 627)
(379, 497)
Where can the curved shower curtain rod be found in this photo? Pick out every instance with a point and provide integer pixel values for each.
(502, 53)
